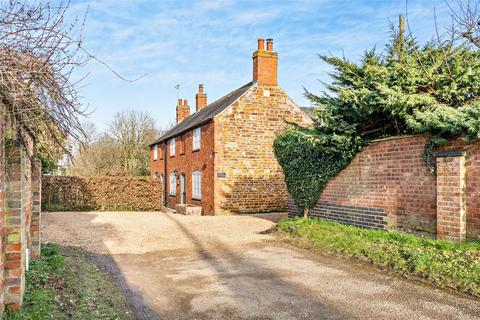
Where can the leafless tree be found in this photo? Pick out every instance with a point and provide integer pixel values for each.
(40, 48)
(39, 51)
(133, 131)
(123, 150)
(465, 20)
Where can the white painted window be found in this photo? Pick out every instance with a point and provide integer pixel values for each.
(173, 184)
(172, 147)
(155, 152)
(197, 132)
(197, 185)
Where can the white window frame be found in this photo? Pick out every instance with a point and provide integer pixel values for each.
(173, 184)
(197, 185)
(172, 147)
(155, 152)
(197, 138)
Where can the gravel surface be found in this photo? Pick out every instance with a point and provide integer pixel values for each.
(225, 267)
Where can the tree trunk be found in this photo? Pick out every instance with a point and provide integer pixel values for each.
(305, 212)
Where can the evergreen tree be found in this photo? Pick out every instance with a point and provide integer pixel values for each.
(408, 89)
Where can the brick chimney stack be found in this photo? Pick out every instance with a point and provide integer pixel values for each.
(265, 63)
(183, 110)
(201, 98)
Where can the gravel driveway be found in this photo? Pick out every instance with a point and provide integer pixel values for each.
(224, 267)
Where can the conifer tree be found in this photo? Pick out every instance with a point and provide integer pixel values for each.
(432, 89)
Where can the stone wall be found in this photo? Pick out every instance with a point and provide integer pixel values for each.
(70, 193)
(388, 186)
(248, 177)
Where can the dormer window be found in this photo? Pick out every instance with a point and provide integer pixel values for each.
(197, 132)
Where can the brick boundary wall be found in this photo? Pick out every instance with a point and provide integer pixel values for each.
(374, 218)
(19, 211)
(451, 200)
(73, 193)
(36, 209)
(388, 186)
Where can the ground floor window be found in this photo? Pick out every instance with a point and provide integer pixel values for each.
(197, 185)
(173, 184)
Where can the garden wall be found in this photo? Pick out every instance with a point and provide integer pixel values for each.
(388, 186)
(71, 193)
(19, 210)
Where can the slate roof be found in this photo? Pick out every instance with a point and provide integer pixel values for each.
(205, 114)
(309, 112)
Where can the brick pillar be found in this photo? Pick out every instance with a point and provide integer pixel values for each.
(36, 209)
(2, 218)
(451, 196)
(15, 246)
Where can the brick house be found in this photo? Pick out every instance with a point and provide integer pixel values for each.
(221, 157)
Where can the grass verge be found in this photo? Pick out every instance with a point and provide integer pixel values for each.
(63, 285)
(443, 263)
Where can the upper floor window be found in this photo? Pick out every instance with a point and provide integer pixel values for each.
(197, 185)
(173, 184)
(172, 147)
(155, 152)
(197, 138)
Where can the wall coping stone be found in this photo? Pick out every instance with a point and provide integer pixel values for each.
(397, 137)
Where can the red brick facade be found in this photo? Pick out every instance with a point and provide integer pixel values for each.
(389, 186)
(186, 161)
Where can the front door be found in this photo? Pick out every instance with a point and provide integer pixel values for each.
(183, 189)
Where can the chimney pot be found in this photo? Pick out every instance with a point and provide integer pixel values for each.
(179, 102)
(200, 88)
(261, 44)
(185, 102)
(270, 44)
(265, 64)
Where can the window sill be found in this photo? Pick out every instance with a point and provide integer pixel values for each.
(172, 156)
(197, 199)
(172, 195)
(196, 150)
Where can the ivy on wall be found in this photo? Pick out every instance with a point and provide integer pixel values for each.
(432, 89)
(309, 159)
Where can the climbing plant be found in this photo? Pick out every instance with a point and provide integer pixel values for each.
(310, 158)
(431, 89)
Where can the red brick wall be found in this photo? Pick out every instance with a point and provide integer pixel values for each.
(2, 214)
(451, 202)
(187, 162)
(388, 185)
(472, 167)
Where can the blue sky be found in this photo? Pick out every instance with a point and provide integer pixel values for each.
(212, 42)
